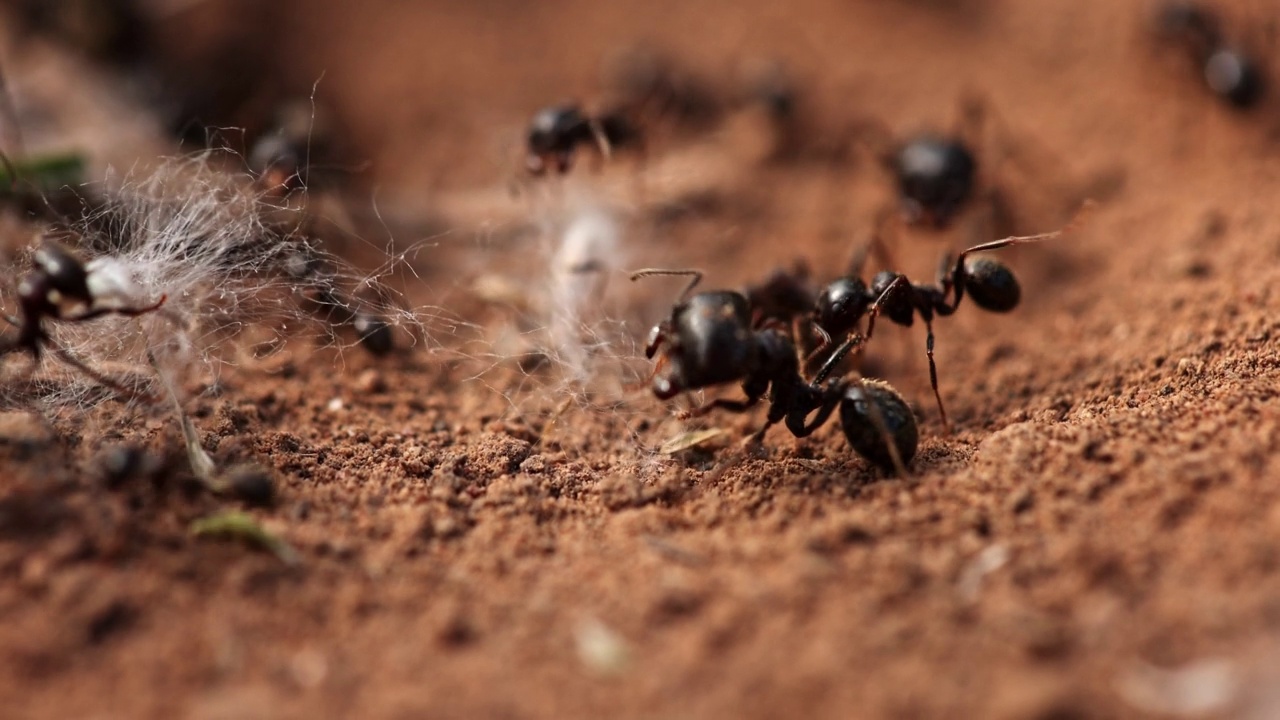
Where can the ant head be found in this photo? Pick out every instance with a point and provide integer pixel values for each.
(935, 178)
(554, 127)
(991, 284)
(712, 344)
(872, 410)
(1234, 77)
(841, 305)
(897, 306)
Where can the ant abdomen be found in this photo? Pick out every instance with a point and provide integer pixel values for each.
(870, 411)
(992, 285)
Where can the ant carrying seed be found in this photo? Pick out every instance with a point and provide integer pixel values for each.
(709, 340)
(556, 133)
(62, 288)
(1230, 73)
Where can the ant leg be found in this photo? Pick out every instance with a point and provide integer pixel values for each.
(874, 310)
(824, 340)
(736, 406)
(125, 311)
(798, 422)
(854, 341)
(696, 276)
(80, 366)
(933, 375)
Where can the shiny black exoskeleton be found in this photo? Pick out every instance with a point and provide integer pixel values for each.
(1228, 71)
(709, 340)
(555, 133)
(936, 178)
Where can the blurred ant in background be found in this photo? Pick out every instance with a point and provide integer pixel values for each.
(709, 339)
(938, 176)
(643, 91)
(115, 31)
(556, 133)
(1230, 72)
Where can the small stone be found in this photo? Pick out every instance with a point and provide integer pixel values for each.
(370, 381)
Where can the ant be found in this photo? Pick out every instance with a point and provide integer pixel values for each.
(709, 340)
(936, 177)
(841, 306)
(556, 132)
(329, 302)
(1229, 72)
(62, 288)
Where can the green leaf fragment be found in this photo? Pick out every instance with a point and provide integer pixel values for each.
(47, 172)
(689, 440)
(243, 527)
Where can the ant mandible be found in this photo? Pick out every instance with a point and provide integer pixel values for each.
(62, 288)
(555, 133)
(709, 340)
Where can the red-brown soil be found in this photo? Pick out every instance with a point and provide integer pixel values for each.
(1098, 537)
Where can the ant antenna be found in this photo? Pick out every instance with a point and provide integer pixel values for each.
(853, 341)
(1077, 221)
(667, 272)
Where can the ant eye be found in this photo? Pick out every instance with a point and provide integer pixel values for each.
(992, 285)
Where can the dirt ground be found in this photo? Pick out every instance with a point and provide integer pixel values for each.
(1099, 536)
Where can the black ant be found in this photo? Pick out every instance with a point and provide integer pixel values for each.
(936, 177)
(555, 133)
(329, 302)
(1229, 72)
(840, 307)
(62, 288)
(709, 340)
